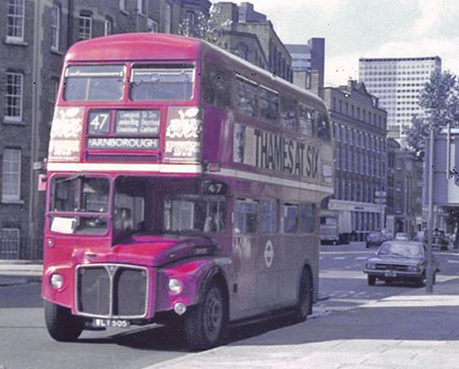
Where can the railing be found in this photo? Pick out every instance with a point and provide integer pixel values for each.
(15, 247)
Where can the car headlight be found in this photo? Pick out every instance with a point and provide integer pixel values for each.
(412, 268)
(370, 266)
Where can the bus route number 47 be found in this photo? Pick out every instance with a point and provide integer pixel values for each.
(215, 188)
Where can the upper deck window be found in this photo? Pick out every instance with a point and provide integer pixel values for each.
(246, 98)
(94, 82)
(216, 85)
(306, 120)
(323, 127)
(269, 105)
(151, 83)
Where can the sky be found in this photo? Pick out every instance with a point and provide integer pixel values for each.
(368, 28)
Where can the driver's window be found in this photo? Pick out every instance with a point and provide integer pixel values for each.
(129, 209)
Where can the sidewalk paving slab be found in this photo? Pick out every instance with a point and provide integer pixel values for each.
(411, 330)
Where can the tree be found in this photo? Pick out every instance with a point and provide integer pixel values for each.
(206, 27)
(440, 101)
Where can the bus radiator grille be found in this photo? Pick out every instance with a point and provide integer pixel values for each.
(112, 291)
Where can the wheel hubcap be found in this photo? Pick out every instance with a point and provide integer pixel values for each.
(213, 315)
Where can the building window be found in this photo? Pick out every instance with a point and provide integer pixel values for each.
(108, 27)
(152, 26)
(168, 19)
(141, 6)
(13, 97)
(15, 23)
(123, 5)
(55, 26)
(191, 16)
(85, 26)
(10, 243)
(11, 175)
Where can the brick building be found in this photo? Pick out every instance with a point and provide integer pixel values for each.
(251, 36)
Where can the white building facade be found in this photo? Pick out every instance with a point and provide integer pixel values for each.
(397, 83)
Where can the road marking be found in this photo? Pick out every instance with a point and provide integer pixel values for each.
(339, 258)
(453, 261)
(361, 258)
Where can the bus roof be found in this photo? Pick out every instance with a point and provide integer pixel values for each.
(157, 46)
(135, 46)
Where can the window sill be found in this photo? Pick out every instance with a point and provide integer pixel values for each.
(125, 12)
(13, 121)
(12, 202)
(10, 41)
(57, 52)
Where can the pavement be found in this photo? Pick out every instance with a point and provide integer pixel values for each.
(410, 330)
(13, 272)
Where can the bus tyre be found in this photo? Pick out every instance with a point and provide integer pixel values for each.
(304, 297)
(61, 324)
(371, 280)
(205, 325)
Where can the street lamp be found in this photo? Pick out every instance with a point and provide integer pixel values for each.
(429, 269)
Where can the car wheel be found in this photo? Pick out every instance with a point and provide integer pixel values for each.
(61, 324)
(371, 280)
(421, 282)
(206, 323)
(305, 294)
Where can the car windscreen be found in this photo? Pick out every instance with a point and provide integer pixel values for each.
(170, 83)
(94, 82)
(402, 250)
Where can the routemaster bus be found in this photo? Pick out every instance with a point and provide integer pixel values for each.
(183, 187)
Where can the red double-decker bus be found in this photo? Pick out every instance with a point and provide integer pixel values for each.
(183, 186)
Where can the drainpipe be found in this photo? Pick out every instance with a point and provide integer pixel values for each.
(35, 120)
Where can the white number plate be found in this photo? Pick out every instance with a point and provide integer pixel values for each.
(390, 273)
(114, 323)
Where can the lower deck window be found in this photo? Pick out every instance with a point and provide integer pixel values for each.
(246, 216)
(193, 213)
(290, 218)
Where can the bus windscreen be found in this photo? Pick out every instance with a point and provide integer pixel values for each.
(162, 84)
(94, 83)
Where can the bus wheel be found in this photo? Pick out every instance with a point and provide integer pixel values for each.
(205, 325)
(305, 297)
(61, 324)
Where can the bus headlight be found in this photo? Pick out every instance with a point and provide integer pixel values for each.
(175, 285)
(370, 266)
(57, 281)
(412, 268)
